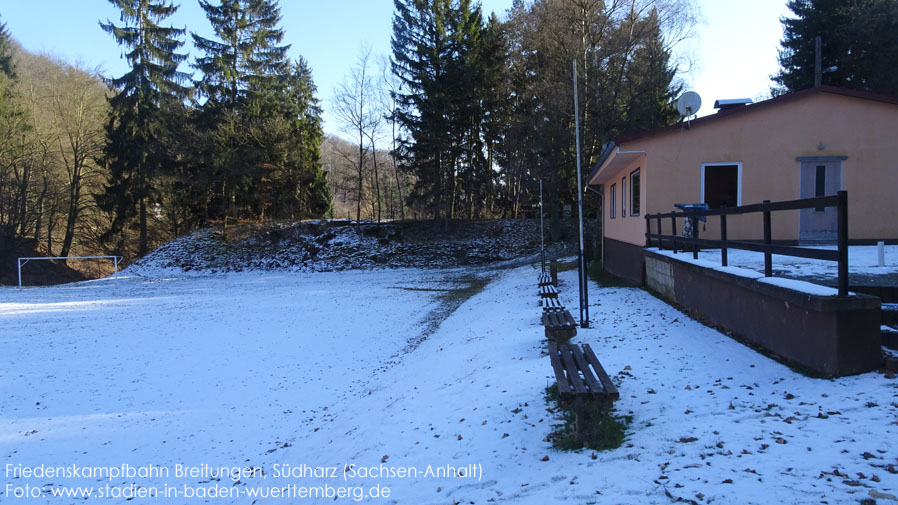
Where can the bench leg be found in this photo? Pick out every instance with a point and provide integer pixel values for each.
(561, 335)
(586, 413)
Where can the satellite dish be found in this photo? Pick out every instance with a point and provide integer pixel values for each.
(689, 103)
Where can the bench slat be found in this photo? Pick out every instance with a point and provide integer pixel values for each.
(572, 375)
(594, 385)
(609, 386)
(563, 385)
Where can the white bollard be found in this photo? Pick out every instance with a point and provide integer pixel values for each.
(881, 253)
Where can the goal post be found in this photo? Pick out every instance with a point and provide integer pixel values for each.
(22, 261)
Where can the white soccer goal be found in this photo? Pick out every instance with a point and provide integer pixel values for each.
(23, 261)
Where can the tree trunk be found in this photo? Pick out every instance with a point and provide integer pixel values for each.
(142, 245)
(74, 206)
(376, 178)
(40, 212)
(396, 173)
(358, 211)
(23, 199)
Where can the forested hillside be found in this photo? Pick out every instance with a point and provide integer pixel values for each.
(460, 121)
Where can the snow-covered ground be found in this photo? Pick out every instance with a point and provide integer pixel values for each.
(862, 260)
(266, 370)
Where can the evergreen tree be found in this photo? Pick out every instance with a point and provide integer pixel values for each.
(244, 77)
(134, 155)
(494, 96)
(432, 43)
(243, 68)
(303, 190)
(652, 90)
(11, 129)
(858, 45)
(7, 79)
(7, 66)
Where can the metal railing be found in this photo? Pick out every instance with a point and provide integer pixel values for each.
(840, 255)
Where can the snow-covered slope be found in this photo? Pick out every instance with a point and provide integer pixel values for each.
(322, 246)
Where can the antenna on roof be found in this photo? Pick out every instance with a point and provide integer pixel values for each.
(688, 104)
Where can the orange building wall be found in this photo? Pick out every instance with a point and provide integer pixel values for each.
(767, 143)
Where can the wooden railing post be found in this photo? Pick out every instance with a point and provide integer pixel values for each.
(694, 220)
(768, 258)
(723, 236)
(673, 231)
(660, 240)
(842, 239)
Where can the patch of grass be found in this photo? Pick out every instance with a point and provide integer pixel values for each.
(611, 430)
(450, 299)
(552, 393)
(606, 279)
(567, 266)
(473, 285)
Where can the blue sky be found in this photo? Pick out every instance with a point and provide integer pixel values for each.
(733, 51)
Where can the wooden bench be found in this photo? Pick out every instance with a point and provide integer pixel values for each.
(548, 291)
(560, 325)
(551, 304)
(583, 386)
(545, 279)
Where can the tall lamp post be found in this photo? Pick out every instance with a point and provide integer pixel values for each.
(581, 265)
(542, 228)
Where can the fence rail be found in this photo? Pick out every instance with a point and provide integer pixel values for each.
(840, 255)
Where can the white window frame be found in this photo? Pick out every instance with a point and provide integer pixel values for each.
(738, 178)
(612, 200)
(623, 197)
(637, 173)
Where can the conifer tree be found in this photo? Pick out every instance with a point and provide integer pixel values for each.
(244, 66)
(244, 78)
(858, 39)
(432, 48)
(652, 90)
(304, 191)
(134, 155)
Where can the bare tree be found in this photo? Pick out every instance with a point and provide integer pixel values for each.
(352, 104)
(390, 86)
(77, 105)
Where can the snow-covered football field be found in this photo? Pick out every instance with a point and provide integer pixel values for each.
(297, 388)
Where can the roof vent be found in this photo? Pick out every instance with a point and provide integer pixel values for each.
(731, 103)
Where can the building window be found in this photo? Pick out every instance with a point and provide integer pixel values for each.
(612, 201)
(722, 184)
(623, 197)
(634, 192)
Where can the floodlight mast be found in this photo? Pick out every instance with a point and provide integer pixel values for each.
(581, 264)
(542, 228)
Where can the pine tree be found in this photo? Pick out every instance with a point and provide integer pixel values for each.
(242, 69)
(304, 191)
(243, 79)
(652, 90)
(7, 77)
(133, 154)
(495, 94)
(432, 48)
(7, 66)
(11, 129)
(858, 45)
